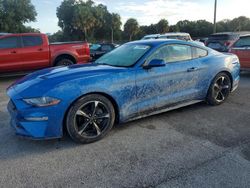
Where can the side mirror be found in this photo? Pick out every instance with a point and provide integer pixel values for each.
(155, 63)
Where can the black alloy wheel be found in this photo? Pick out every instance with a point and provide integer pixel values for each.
(90, 118)
(219, 89)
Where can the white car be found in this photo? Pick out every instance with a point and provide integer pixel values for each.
(173, 35)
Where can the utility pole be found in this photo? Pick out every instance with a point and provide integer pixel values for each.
(215, 14)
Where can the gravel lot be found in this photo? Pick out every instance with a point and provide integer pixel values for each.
(195, 146)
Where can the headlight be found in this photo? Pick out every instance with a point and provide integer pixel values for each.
(42, 101)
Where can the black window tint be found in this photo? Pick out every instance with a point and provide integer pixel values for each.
(179, 53)
(243, 42)
(106, 48)
(32, 41)
(9, 42)
(198, 52)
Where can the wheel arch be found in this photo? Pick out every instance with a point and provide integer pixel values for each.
(64, 56)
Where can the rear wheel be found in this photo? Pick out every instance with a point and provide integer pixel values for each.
(90, 118)
(219, 90)
(64, 62)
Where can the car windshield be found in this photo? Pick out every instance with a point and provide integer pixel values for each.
(95, 46)
(243, 42)
(124, 56)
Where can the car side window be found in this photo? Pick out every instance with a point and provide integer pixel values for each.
(178, 52)
(172, 53)
(243, 42)
(9, 42)
(160, 53)
(29, 41)
(198, 53)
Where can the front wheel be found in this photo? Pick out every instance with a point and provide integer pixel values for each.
(219, 90)
(90, 118)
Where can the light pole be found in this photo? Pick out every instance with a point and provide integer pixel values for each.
(215, 14)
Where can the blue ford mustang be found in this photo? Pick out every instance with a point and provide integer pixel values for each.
(137, 79)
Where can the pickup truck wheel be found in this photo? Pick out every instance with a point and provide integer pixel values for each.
(64, 62)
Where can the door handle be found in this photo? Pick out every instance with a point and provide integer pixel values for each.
(192, 69)
(13, 52)
(40, 49)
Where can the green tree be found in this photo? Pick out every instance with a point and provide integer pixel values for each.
(241, 23)
(162, 26)
(223, 25)
(131, 28)
(87, 20)
(203, 28)
(115, 25)
(65, 13)
(57, 37)
(14, 14)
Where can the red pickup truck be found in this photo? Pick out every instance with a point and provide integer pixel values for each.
(242, 49)
(32, 51)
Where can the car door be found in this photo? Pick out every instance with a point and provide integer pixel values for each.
(10, 54)
(242, 49)
(35, 54)
(176, 82)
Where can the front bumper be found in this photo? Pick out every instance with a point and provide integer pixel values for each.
(35, 123)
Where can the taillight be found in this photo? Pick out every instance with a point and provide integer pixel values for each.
(86, 48)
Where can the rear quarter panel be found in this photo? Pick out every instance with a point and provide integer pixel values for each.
(223, 62)
(80, 51)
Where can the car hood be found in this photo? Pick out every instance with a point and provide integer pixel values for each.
(49, 78)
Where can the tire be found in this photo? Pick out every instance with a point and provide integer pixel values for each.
(219, 89)
(90, 118)
(64, 62)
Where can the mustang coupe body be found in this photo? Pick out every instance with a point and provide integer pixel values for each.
(137, 79)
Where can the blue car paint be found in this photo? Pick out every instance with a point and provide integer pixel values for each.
(135, 91)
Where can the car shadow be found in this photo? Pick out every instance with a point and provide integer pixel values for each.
(12, 146)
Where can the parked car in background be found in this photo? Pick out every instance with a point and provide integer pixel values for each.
(32, 51)
(203, 40)
(242, 49)
(222, 41)
(153, 36)
(173, 35)
(135, 80)
(3, 34)
(178, 35)
(98, 50)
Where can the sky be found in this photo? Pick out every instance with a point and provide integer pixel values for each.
(148, 11)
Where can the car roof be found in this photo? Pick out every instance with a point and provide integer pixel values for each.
(152, 35)
(176, 33)
(158, 42)
(232, 33)
(21, 34)
(5, 33)
(246, 35)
